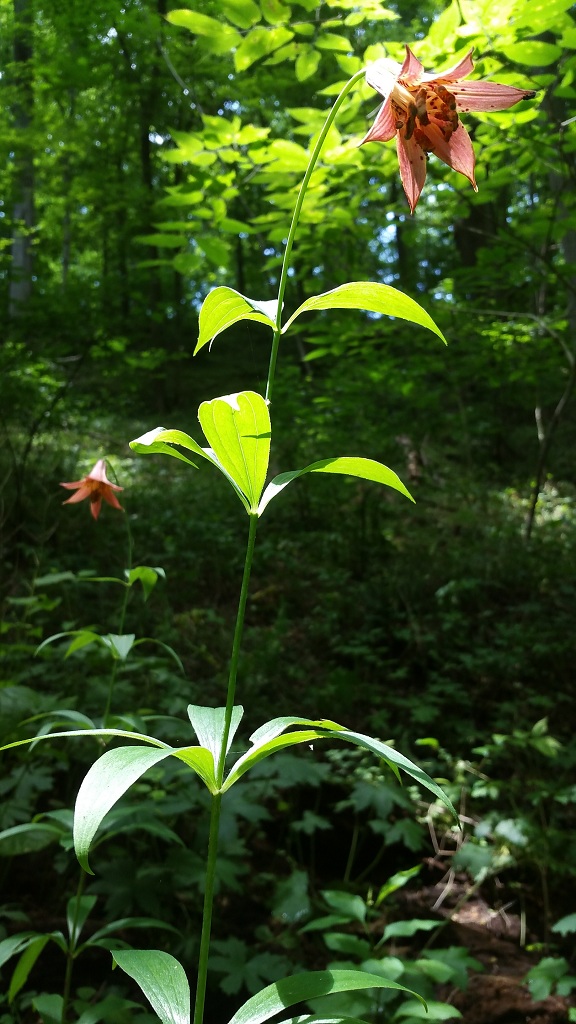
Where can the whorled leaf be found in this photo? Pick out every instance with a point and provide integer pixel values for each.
(223, 307)
(375, 298)
(162, 980)
(365, 469)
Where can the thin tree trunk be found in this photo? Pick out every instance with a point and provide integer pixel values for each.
(20, 288)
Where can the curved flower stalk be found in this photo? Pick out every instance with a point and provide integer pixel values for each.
(422, 111)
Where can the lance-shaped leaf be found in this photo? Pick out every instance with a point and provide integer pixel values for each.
(223, 307)
(208, 724)
(375, 298)
(159, 442)
(268, 739)
(308, 985)
(113, 773)
(366, 469)
(162, 980)
(237, 427)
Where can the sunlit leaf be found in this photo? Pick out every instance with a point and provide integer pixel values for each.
(302, 987)
(223, 307)
(375, 298)
(238, 429)
(365, 469)
(162, 980)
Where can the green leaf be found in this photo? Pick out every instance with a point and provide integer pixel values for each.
(162, 980)
(78, 909)
(406, 929)
(222, 37)
(433, 1011)
(107, 780)
(268, 739)
(396, 882)
(259, 43)
(208, 724)
(14, 944)
(49, 1007)
(566, 925)
(238, 429)
(25, 965)
(533, 53)
(307, 62)
(345, 903)
(120, 646)
(366, 469)
(265, 748)
(376, 298)
(147, 575)
(305, 986)
(159, 442)
(331, 41)
(243, 13)
(223, 307)
(28, 838)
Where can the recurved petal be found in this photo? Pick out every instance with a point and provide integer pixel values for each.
(487, 96)
(110, 497)
(384, 127)
(412, 161)
(458, 152)
(462, 69)
(412, 71)
(84, 491)
(72, 487)
(382, 75)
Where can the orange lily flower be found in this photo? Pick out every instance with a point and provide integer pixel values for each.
(422, 110)
(95, 486)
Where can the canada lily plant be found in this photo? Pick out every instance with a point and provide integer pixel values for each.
(238, 431)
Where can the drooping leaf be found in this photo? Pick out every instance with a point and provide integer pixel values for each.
(305, 986)
(162, 980)
(365, 469)
(223, 307)
(376, 298)
(238, 429)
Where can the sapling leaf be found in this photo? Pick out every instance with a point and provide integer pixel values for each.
(375, 298)
(223, 307)
(308, 985)
(162, 980)
(238, 429)
(366, 469)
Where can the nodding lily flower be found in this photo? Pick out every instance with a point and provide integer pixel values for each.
(422, 110)
(95, 486)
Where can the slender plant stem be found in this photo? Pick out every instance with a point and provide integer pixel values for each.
(236, 647)
(208, 905)
(70, 953)
(295, 218)
(121, 623)
(217, 799)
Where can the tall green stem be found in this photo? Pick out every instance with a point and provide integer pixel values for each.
(121, 623)
(217, 799)
(295, 218)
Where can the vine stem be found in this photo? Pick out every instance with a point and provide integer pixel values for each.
(295, 218)
(217, 798)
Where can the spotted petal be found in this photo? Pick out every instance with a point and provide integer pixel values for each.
(487, 96)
